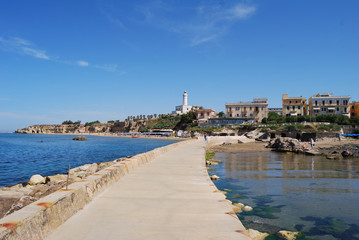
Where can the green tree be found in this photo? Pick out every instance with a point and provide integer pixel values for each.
(220, 114)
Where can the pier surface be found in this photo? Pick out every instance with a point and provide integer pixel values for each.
(172, 197)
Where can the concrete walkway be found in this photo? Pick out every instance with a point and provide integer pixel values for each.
(169, 198)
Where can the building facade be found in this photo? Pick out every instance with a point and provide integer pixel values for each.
(354, 109)
(203, 116)
(326, 103)
(251, 112)
(294, 106)
(184, 108)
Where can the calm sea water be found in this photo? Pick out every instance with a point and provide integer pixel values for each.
(22, 156)
(314, 195)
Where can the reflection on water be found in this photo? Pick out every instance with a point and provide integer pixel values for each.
(315, 195)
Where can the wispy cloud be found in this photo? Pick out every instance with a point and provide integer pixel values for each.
(107, 67)
(203, 24)
(22, 46)
(82, 63)
(25, 47)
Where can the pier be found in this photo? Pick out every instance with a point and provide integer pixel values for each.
(163, 194)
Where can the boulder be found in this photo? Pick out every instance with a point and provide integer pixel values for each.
(80, 138)
(58, 178)
(347, 153)
(214, 177)
(247, 208)
(237, 207)
(36, 179)
(285, 144)
(288, 235)
(257, 235)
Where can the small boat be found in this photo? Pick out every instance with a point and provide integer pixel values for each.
(135, 136)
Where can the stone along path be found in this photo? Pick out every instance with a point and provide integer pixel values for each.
(171, 197)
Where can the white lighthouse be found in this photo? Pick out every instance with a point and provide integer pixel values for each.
(185, 97)
(184, 108)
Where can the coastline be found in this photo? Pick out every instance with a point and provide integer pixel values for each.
(323, 147)
(110, 135)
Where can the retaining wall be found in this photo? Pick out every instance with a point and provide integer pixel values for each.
(38, 219)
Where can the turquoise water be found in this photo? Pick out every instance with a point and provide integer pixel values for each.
(22, 156)
(314, 195)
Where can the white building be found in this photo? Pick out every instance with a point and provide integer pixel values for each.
(184, 108)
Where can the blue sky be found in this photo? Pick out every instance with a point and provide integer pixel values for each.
(104, 60)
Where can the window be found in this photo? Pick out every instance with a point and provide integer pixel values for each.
(237, 108)
(293, 107)
(230, 109)
(298, 107)
(337, 109)
(323, 102)
(251, 115)
(237, 115)
(244, 108)
(316, 103)
(287, 107)
(230, 115)
(345, 102)
(337, 102)
(256, 109)
(290, 101)
(250, 108)
(324, 109)
(330, 101)
(296, 101)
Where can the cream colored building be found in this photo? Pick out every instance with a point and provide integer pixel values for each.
(294, 106)
(326, 103)
(252, 111)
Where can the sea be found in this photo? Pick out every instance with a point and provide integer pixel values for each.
(315, 196)
(24, 155)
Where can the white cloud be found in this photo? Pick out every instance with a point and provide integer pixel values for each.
(25, 47)
(203, 24)
(22, 46)
(35, 53)
(107, 67)
(242, 11)
(82, 63)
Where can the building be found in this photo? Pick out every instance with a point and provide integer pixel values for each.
(250, 112)
(219, 122)
(275, 110)
(294, 106)
(203, 115)
(354, 109)
(184, 108)
(326, 103)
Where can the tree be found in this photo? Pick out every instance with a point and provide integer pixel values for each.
(155, 115)
(220, 114)
(67, 122)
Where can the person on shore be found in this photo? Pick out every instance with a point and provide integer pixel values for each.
(205, 137)
(312, 143)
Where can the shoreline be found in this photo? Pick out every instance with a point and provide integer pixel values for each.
(322, 147)
(109, 135)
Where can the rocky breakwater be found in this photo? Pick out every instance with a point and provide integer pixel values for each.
(286, 144)
(13, 198)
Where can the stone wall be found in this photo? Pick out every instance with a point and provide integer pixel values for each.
(38, 219)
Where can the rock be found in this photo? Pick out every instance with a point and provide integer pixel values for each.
(257, 235)
(36, 179)
(58, 178)
(91, 169)
(285, 144)
(240, 205)
(247, 208)
(210, 163)
(288, 234)
(103, 165)
(237, 207)
(214, 177)
(347, 153)
(22, 202)
(80, 138)
(7, 199)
